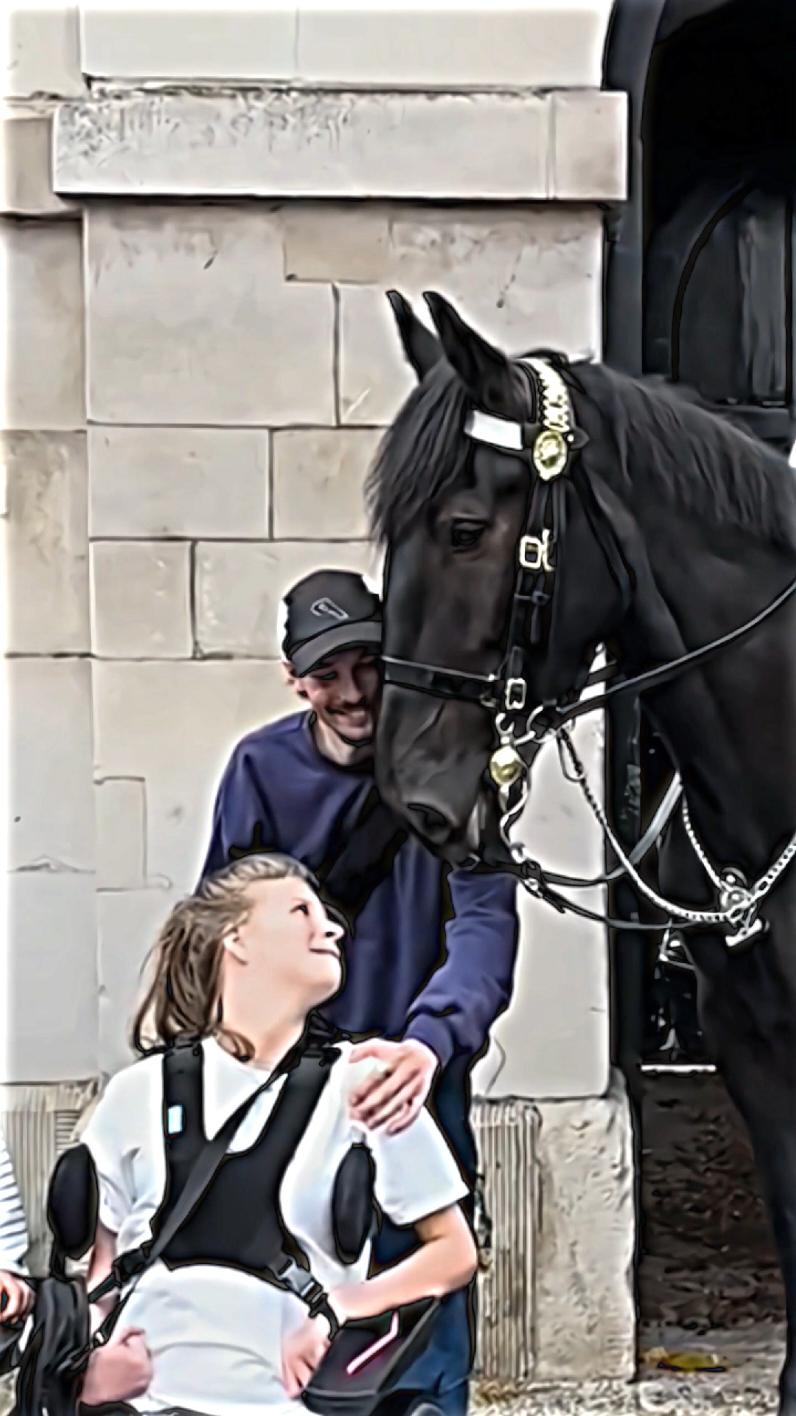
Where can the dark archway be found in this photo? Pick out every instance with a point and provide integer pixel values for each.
(699, 289)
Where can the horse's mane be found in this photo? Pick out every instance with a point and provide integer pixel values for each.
(650, 434)
(662, 437)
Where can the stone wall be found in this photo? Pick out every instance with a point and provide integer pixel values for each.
(201, 215)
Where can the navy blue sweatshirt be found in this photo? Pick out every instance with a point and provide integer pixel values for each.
(400, 981)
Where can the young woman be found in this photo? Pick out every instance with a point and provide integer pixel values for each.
(241, 964)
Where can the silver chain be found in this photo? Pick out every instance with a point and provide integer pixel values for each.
(734, 914)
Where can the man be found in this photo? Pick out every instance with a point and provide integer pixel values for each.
(298, 785)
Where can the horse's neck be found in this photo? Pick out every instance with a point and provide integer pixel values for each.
(730, 724)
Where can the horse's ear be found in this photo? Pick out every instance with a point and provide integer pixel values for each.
(421, 347)
(484, 370)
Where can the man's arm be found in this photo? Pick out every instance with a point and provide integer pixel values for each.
(242, 818)
(455, 1011)
(471, 988)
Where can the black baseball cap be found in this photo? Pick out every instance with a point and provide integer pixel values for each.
(327, 612)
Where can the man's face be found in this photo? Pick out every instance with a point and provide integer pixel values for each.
(343, 691)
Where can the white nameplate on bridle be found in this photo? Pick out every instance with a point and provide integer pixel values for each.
(498, 432)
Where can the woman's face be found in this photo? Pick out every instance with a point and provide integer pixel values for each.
(289, 943)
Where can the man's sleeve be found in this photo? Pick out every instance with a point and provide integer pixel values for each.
(455, 1011)
(242, 818)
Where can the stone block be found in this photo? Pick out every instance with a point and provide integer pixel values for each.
(344, 242)
(41, 55)
(47, 543)
(318, 482)
(50, 982)
(296, 143)
(585, 1305)
(523, 280)
(128, 922)
(589, 146)
(555, 1033)
(44, 326)
(50, 798)
(192, 482)
(121, 833)
(239, 587)
(140, 600)
(537, 43)
(190, 321)
(188, 42)
(26, 172)
(174, 725)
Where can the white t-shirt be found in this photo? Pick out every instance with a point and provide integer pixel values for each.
(215, 1334)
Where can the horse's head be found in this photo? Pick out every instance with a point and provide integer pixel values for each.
(464, 521)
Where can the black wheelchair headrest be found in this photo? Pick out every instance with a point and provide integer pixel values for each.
(73, 1202)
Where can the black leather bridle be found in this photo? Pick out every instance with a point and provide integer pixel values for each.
(506, 691)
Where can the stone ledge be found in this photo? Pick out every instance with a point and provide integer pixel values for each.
(293, 143)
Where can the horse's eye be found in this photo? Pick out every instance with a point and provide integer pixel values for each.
(466, 534)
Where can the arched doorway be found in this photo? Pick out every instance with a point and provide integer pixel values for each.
(698, 288)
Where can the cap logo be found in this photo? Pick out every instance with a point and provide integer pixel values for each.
(328, 608)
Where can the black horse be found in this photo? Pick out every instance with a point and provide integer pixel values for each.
(648, 525)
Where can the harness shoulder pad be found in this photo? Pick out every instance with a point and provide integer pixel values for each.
(73, 1202)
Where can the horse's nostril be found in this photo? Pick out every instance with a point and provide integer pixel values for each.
(430, 821)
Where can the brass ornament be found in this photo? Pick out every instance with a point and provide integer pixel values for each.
(550, 454)
(505, 765)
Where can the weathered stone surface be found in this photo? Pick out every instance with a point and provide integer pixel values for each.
(338, 241)
(239, 587)
(193, 482)
(190, 321)
(292, 143)
(318, 482)
(50, 796)
(47, 543)
(188, 42)
(128, 922)
(41, 53)
(506, 1142)
(538, 42)
(542, 43)
(50, 984)
(140, 600)
(25, 174)
(44, 326)
(555, 1036)
(585, 1315)
(526, 280)
(121, 833)
(589, 157)
(174, 725)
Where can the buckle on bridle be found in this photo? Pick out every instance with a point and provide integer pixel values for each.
(534, 553)
(516, 693)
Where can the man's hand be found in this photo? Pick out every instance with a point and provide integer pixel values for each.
(391, 1100)
(119, 1371)
(302, 1353)
(16, 1297)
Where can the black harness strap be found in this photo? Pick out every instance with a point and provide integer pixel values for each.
(348, 876)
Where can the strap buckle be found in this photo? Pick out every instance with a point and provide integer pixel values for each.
(516, 694)
(534, 552)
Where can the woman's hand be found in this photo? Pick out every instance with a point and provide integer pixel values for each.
(302, 1353)
(119, 1371)
(16, 1297)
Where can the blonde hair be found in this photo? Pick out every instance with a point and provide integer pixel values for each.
(183, 998)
